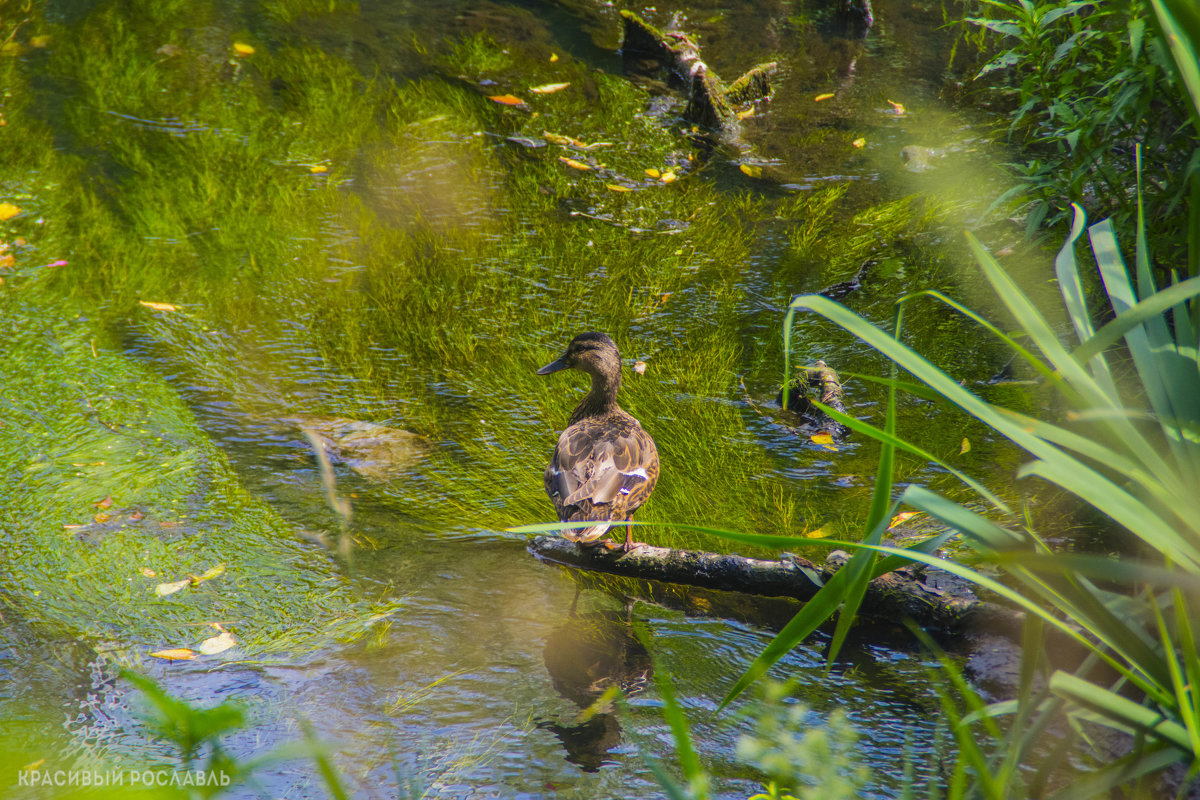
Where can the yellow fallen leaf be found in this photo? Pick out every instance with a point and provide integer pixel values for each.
(556, 138)
(216, 644)
(859, 142)
(821, 97)
(208, 575)
(149, 573)
(159, 306)
(899, 109)
(553, 57)
(178, 654)
(753, 170)
(966, 446)
(573, 164)
(164, 589)
(243, 49)
(33, 765)
(653, 173)
(506, 99)
(749, 112)
(668, 177)
(819, 533)
(617, 188)
(8, 211)
(39, 41)
(317, 169)
(903, 516)
(823, 439)
(549, 88)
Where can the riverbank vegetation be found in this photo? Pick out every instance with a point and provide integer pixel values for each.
(216, 234)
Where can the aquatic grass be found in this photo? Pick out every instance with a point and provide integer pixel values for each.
(77, 564)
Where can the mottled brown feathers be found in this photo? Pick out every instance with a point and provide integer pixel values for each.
(604, 465)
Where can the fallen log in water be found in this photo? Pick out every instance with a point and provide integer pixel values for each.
(905, 593)
(710, 102)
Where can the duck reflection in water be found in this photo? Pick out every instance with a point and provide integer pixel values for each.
(586, 656)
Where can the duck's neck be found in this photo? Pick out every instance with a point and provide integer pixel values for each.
(602, 399)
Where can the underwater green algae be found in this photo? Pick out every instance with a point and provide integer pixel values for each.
(343, 244)
(110, 488)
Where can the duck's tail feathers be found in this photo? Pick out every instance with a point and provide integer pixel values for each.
(589, 535)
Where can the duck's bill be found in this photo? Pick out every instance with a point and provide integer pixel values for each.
(554, 366)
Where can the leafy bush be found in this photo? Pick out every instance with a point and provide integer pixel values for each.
(1086, 82)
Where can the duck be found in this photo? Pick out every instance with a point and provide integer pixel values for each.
(605, 464)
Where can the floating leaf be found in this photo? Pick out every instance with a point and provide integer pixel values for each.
(556, 138)
(668, 177)
(899, 109)
(753, 170)
(208, 575)
(573, 164)
(860, 142)
(7, 262)
(102, 518)
(164, 589)
(149, 573)
(553, 57)
(243, 49)
(653, 173)
(506, 99)
(966, 446)
(178, 654)
(59, 263)
(617, 188)
(105, 503)
(821, 97)
(749, 112)
(39, 41)
(318, 169)
(639, 367)
(217, 644)
(823, 439)
(549, 88)
(903, 516)
(136, 516)
(819, 533)
(8, 211)
(159, 306)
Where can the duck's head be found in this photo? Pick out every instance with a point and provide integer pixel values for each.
(593, 353)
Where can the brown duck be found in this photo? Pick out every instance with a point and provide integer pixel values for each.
(604, 465)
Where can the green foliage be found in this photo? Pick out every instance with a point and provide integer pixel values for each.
(1085, 83)
(1138, 466)
(802, 761)
(106, 475)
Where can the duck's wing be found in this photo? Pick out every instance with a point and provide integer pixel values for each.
(601, 479)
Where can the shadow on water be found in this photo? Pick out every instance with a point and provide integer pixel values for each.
(354, 240)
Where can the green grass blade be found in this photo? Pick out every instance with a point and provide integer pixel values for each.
(1035, 362)
(1180, 25)
(1137, 315)
(894, 441)
(1119, 712)
(923, 370)
(1067, 270)
(1122, 507)
(689, 762)
(1170, 382)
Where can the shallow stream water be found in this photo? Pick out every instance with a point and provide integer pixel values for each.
(347, 228)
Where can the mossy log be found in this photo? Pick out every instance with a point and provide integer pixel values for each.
(819, 381)
(710, 102)
(904, 593)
